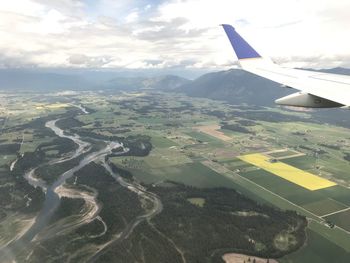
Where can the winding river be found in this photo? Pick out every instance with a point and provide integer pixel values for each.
(54, 192)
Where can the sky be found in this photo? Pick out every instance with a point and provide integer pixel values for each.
(174, 34)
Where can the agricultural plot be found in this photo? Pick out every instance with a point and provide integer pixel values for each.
(319, 202)
(288, 172)
(212, 141)
(333, 165)
(281, 153)
(340, 219)
(195, 174)
(213, 130)
(338, 193)
(163, 157)
(162, 142)
(324, 206)
(290, 191)
(52, 106)
(330, 203)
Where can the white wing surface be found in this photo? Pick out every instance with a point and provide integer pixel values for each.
(317, 90)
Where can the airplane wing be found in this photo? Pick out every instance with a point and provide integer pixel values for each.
(317, 90)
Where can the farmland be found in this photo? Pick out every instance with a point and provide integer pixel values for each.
(185, 149)
(288, 172)
(192, 149)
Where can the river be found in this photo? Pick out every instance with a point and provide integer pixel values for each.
(53, 193)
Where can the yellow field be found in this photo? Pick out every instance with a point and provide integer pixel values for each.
(51, 106)
(288, 172)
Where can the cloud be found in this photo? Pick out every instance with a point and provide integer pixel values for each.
(86, 61)
(168, 34)
(168, 31)
(132, 17)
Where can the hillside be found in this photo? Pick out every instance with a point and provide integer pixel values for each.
(235, 86)
(167, 82)
(238, 87)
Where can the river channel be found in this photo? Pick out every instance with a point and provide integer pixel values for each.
(52, 197)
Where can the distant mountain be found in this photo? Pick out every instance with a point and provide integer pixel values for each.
(338, 70)
(234, 86)
(13, 79)
(237, 87)
(168, 82)
(43, 80)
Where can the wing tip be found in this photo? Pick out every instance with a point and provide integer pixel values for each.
(241, 47)
(227, 26)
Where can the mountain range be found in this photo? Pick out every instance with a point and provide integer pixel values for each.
(234, 86)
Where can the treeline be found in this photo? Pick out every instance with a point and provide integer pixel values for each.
(11, 148)
(62, 145)
(139, 145)
(68, 123)
(269, 116)
(121, 172)
(347, 157)
(15, 188)
(51, 172)
(235, 127)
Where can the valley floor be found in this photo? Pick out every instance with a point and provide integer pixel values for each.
(159, 177)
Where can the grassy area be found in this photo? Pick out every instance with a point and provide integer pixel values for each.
(288, 190)
(7, 159)
(282, 153)
(334, 235)
(206, 138)
(195, 174)
(162, 142)
(338, 193)
(197, 201)
(324, 206)
(340, 219)
(318, 249)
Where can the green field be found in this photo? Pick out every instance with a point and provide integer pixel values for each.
(324, 206)
(162, 142)
(340, 219)
(195, 174)
(200, 136)
(301, 162)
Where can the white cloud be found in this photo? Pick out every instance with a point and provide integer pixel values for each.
(178, 33)
(132, 17)
(278, 28)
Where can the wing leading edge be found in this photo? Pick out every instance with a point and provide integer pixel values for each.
(317, 90)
